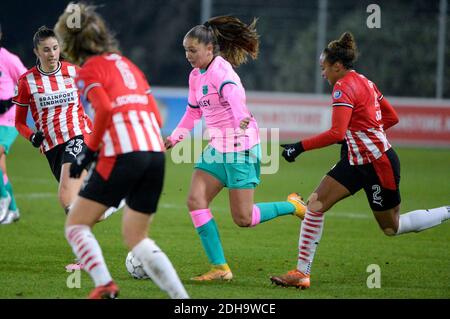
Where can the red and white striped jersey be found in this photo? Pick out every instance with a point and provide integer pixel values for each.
(134, 125)
(365, 136)
(54, 103)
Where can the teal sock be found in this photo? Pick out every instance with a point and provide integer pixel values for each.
(272, 210)
(209, 235)
(12, 205)
(3, 191)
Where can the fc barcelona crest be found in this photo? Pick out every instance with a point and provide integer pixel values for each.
(205, 89)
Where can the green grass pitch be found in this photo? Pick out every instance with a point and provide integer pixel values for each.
(34, 251)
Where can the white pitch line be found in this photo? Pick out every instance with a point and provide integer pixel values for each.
(35, 195)
(35, 180)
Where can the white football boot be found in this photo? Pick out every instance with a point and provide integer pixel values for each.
(13, 216)
(4, 208)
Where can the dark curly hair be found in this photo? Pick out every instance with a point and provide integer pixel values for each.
(343, 50)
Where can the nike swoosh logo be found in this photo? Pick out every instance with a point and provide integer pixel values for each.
(289, 151)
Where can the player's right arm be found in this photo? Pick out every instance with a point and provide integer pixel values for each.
(340, 120)
(388, 114)
(22, 100)
(187, 122)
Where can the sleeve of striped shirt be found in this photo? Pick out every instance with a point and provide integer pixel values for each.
(154, 108)
(342, 96)
(23, 95)
(379, 94)
(100, 101)
(388, 114)
(21, 122)
(340, 120)
(88, 78)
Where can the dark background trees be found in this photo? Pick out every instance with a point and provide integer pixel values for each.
(400, 56)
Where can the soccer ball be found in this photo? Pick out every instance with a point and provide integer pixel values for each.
(134, 267)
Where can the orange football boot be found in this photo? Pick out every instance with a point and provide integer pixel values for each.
(293, 278)
(300, 206)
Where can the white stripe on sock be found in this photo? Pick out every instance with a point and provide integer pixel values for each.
(88, 251)
(310, 234)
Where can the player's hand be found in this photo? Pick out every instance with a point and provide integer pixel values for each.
(86, 157)
(37, 138)
(291, 151)
(244, 123)
(168, 143)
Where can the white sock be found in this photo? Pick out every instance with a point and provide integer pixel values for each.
(310, 235)
(89, 253)
(158, 266)
(422, 219)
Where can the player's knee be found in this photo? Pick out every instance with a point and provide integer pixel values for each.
(194, 203)
(242, 216)
(313, 204)
(242, 221)
(388, 231)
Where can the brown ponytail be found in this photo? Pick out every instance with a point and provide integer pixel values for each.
(91, 37)
(231, 38)
(343, 50)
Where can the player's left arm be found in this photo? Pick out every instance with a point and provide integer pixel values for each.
(236, 99)
(99, 99)
(388, 114)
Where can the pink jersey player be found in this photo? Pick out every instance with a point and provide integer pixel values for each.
(11, 68)
(232, 157)
(217, 94)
